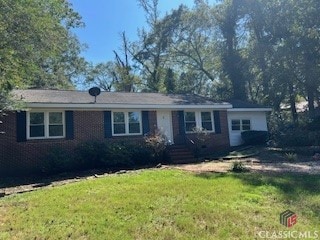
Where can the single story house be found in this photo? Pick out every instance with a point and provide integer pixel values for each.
(54, 118)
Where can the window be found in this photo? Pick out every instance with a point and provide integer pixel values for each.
(246, 126)
(119, 124)
(201, 120)
(206, 121)
(126, 123)
(134, 122)
(235, 124)
(190, 121)
(45, 125)
(240, 125)
(37, 124)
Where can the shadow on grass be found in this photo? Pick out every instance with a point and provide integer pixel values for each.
(290, 184)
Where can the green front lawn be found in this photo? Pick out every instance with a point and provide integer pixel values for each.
(163, 204)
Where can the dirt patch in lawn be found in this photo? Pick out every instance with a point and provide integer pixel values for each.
(253, 164)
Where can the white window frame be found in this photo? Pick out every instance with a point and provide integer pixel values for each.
(46, 124)
(199, 120)
(241, 127)
(126, 121)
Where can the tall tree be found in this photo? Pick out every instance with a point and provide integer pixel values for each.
(151, 51)
(169, 81)
(228, 15)
(37, 46)
(117, 75)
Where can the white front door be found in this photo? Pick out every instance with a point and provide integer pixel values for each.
(164, 122)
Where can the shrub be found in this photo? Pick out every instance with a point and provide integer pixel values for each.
(141, 154)
(157, 143)
(314, 125)
(90, 154)
(58, 160)
(238, 166)
(95, 154)
(254, 137)
(117, 154)
(291, 157)
(298, 137)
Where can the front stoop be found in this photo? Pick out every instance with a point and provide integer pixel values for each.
(181, 154)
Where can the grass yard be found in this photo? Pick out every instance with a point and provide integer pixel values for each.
(163, 204)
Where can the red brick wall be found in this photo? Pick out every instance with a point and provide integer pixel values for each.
(214, 141)
(26, 157)
(88, 125)
(19, 158)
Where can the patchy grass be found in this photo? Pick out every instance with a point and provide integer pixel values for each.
(163, 204)
(240, 152)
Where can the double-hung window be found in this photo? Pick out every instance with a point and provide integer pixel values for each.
(126, 123)
(240, 124)
(45, 124)
(196, 119)
(190, 121)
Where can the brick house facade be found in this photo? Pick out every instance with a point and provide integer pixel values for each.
(24, 157)
(63, 119)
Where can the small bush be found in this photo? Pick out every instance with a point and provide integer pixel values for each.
(90, 154)
(157, 143)
(58, 160)
(117, 154)
(238, 167)
(314, 125)
(254, 137)
(291, 157)
(298, 137)
(95, 154)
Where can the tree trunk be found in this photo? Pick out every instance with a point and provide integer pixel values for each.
(293, 104)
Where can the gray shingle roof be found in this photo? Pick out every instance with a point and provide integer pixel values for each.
(236, 103)
(83, 97)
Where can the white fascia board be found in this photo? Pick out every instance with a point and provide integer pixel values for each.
(96, 106)
(249, 110)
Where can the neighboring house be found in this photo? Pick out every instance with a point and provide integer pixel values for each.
(55, 118)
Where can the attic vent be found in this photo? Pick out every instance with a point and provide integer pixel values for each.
(94, 92)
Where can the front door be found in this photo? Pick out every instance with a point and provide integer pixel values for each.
(164, 122)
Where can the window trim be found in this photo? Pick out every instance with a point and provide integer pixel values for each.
(126, 121)
(46, 124)
(241, 126)
(199, 120)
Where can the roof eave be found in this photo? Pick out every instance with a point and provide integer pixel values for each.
(98, 106)
(250, 110)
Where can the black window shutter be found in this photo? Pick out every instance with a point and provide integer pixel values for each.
(69, 125)
(217, 124)
(145, 122)
(182, 129)
(21, 126)
(107, 124)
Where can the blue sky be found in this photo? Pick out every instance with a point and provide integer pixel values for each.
(106, 19)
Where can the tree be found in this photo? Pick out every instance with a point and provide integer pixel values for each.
(228, 16)
(117, 75)
(194, 49)
(169, 81)
(37, 46)
(151, 51)
(102, 75)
